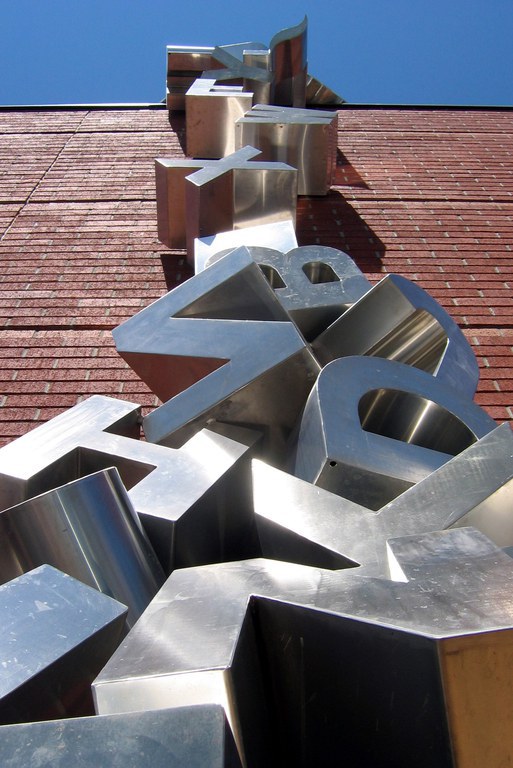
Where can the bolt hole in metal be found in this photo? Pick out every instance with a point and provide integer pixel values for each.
(319, 272)
(272, 276)
(413, 419)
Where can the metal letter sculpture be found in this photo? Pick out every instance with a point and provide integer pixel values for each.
(303, 523)
(231, 193)
(303, 138)
(208, 470)
(314, 283)
(276, 74)
(313, 664)
(396, 319)
(280, 235)
(88, 529)
(192, 348)
(211, 112)
(372, 428)
(404, 658)
(56, 635)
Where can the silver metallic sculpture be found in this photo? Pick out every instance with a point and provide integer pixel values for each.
(185, 737)
(279, 235)
(306, 661)
(398, 320)
(303, 523)
(371, 650)
(303, 138)
(314, 283)
(199, 198)
(88, 529)
(247, 62)
(209, 469)
(220, 346)
(211, 112)
(275, 73)
(289, 66)
(49, 455)
(372, 428)
(56, 635)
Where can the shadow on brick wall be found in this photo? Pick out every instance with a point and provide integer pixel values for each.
(175, 268)
(177, 123)
(346, 174)
(333, 221)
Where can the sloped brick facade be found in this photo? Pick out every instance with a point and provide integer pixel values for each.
(425, 193)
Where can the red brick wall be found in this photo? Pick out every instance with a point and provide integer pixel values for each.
(425, 193)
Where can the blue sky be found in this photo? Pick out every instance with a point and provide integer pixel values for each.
(369, 51)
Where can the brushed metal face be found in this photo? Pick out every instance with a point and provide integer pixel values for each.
(220, 346)
(57, 633)
(305, 660)
(186, 736)
(280, 236)
(303, 138)
(372, 427)
(208, 105)
(199, 198)
(303, 523)
(168, 488)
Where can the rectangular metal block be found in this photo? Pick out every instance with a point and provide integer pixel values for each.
(57, 634)
(303, 138)
(185, 737)
(198, 198)
(210, 114)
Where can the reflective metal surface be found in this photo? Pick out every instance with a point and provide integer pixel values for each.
(289, 65)
(47, 456)
(314, 283)
(173, 491)
(353, 646)
(170, 176)
(238, 67)
(230, 193)
(275, 73)
(303, 138)
(185, 63)
(303, 523)
(398, 320)
(319, 95)
(371, 428)
(56, 635)
(279, 235)
(307, 661)
(88, 529)
(210, 112)
(191, 347)
(262, 90)
(185, 737)
(238, 192)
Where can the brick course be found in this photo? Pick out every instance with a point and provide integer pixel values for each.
(425, 193)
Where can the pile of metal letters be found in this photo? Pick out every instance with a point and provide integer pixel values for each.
(305, 562)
